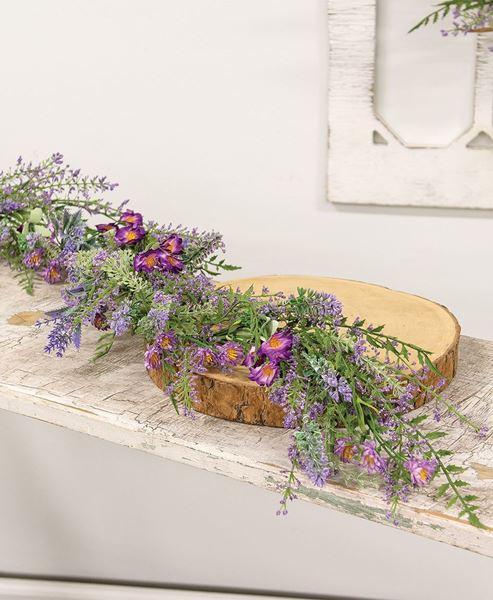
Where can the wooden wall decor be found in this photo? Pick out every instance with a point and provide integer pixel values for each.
(367, 162)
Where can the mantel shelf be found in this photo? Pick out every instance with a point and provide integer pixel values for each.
(115, 400)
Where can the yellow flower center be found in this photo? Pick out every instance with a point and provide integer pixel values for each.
(150, 261)
(347, 452)
(131, 235)
(232, 353)
(275, 342)
(268, 370)
(423, 474)
(165, 343)
(154, 360)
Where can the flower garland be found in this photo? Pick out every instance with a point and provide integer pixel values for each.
(345, 387)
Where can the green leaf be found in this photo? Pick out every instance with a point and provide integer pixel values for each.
(474, 520)
(435, 435)
(455, 469)
(460, 483)
(442, 489)
(35, 216)
(444, 453)
(452, 501)
(42, 230)
(417, 420)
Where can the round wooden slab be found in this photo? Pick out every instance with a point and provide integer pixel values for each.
(407, 317)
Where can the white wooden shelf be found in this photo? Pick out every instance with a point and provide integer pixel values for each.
(115, 400)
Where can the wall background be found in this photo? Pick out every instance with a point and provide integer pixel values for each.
(213, 113)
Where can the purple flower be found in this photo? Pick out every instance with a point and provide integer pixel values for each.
(8, 206)
(148, 261)
(203, 359)
(34, 258)
(61, 335)
(230, 354)
(103, 227)
(483, 432)
(173, 245)
(100, 321)
(171, 263)
(129, 236)
(345, 449)
(370, 458)
(134, 219)
(152, 357)
(250, 358)
(278, 346)
(264, 374)
(100, 258)
(337, 386)
(53, 272)
(120, 319)
(421, 470)
(322, 307)
(166, 341)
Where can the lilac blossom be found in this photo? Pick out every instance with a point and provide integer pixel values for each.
(337, 386)
(120, 319)
(324, 306)
(61, 335)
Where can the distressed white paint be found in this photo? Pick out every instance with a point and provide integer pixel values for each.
(363, 169)
(116, 401)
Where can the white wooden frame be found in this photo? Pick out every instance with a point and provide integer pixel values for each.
(368, 163)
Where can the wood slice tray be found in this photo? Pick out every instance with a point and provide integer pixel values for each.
(407, 317)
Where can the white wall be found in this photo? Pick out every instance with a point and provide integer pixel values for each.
(213, 113)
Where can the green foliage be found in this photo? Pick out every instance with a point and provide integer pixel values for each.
(444, 9)
(103, 345)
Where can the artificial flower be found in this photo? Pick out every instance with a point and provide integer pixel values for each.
(134, 219)
(129, 236)
(278, 346)
(264, 374)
